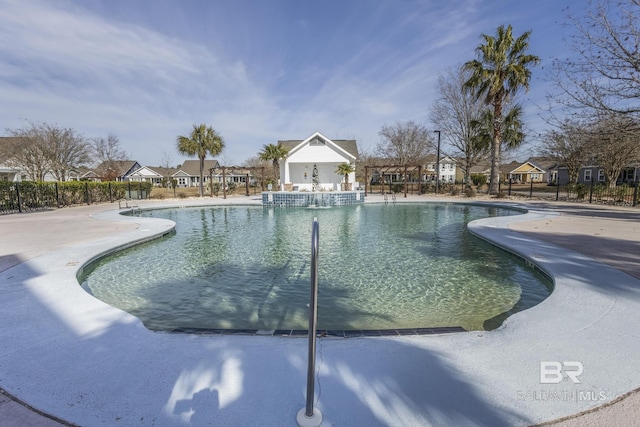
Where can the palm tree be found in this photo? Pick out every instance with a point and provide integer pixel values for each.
(345, 169)
(511, 129)
(501, 70)
(274, 152)
(203, 140)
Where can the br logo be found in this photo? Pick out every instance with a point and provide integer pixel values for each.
(554, 372)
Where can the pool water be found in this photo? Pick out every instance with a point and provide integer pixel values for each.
(381, 267)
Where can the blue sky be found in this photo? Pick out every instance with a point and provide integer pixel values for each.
(257, 71)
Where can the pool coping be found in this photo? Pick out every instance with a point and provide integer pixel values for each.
(322, 333)
(607, 315)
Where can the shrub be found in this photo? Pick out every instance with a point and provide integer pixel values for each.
(479, 179)
(231, 187)
(469, 192)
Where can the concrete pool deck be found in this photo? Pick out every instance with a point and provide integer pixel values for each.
(87, 363)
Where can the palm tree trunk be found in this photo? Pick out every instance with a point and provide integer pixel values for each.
(495, 146)
(201, 186)
(276, 171)
(495, 166)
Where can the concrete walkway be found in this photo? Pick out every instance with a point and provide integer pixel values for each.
(82, 361)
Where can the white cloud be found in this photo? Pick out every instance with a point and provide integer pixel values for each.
(61, 63)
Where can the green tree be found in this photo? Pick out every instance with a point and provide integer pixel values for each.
(454, 112)
(501, 70)
(511, 129)
(345, 169)
(274, 152)
(203, 140)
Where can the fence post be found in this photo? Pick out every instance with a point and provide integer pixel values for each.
(509, 187)
(635, 192)
(18, 196)
(531, 190)
(557, 189)
(405, 181)
(591, 191)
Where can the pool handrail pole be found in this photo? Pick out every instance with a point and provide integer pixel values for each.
(307, 416)
(313, 317)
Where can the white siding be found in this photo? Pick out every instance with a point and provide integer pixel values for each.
(316, 154)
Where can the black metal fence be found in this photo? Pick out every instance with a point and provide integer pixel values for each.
(27, 196)
(593, 192)
(415, 187)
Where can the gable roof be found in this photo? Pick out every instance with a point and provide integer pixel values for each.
(154, 171)
(528, 167)
(543, 162)
(162, 171)
(121, 167)
(348, 146)
(509, 167)
(480, 169)
(431, 158)
(192, 167)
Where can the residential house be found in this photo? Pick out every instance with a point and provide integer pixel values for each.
(447, 171)
(9, 173)
(316, 158)
(89, 175)
(234, 174)
(158, 176)
(188, 175)
(628, 175)
(114, 170)
(481, 169)
(521, 173)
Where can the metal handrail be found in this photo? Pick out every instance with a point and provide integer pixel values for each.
(313, 317)
(310, 416)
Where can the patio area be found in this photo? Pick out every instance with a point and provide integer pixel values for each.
(83, 362)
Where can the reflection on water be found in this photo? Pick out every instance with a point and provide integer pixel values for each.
(381, 267)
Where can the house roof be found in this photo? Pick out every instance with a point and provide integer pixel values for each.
(509, 167)
(162, 171)
(432, 158)
(348, 145)
(89, 174)
(192, 167)
(480, 169)
(543, 162)
(524, 167)
(122, 167)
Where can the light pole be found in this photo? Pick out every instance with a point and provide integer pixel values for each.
(438, 164)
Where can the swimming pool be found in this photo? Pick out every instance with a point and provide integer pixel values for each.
(381, 267)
